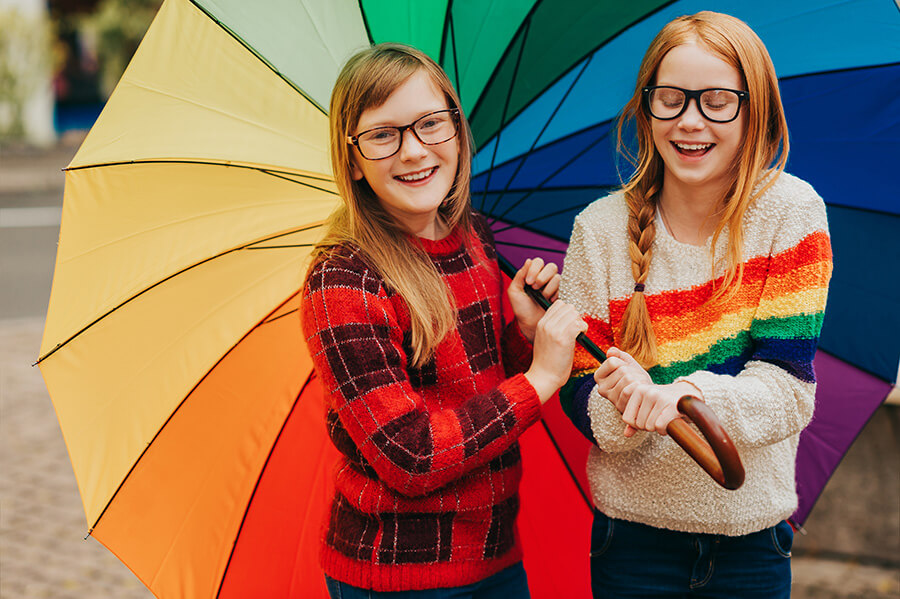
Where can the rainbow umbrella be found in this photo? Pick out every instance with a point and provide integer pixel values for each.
(172, 348)
(172, 351)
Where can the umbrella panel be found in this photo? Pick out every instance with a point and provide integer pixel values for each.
(851, 397)
(174, 519)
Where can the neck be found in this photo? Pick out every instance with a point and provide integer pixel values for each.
(690, 214)
(430, 227)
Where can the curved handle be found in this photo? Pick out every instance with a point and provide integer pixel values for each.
(717, 455)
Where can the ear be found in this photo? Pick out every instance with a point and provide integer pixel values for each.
(355, 172)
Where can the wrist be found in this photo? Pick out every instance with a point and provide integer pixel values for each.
(527, 331)
(545, 385)
(682, 388)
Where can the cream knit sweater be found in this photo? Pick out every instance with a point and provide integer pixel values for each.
(751, 358)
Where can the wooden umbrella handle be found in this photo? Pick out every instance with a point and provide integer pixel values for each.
(717, 455)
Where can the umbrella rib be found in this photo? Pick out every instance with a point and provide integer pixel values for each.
(258, 479)
(536, 139)
(282, 247)
(259, 56)
(526, 22)
(574, 62)
(266, 170)
(528, 246)
(274, 318)
(280, 176)
(172, 415)
(540, 186)
(555, 141)
(841, 70)
(362, 12)
(566, 464)
(543, 216)
(503, 114)
(453, 45)
(161, 281)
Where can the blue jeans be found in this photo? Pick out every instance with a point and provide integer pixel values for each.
(634, 560)
(510, 583)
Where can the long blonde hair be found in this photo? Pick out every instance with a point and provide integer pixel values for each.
(366, 81)
(758, 163)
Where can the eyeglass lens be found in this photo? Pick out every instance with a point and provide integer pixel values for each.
(431, 129)
(714, 104)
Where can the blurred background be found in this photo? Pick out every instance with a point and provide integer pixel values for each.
(59, 61)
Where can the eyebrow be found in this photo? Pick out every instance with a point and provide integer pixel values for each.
(381, 124)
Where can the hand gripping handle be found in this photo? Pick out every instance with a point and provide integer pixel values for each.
(717, 455)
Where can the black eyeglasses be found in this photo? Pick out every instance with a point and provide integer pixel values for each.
(431, 129)
(665, 102)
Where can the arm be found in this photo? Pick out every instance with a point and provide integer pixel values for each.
(357, 348)
(772, 398)
(585, 284)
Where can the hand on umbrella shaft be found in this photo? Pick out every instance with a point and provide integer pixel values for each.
(554, 348)
(536, 275)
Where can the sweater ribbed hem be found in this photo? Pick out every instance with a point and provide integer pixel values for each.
(412, 577)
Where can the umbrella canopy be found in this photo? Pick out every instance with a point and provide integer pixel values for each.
(172, 351)
(172, 348)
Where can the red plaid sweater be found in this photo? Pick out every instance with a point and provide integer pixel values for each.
(427, 490)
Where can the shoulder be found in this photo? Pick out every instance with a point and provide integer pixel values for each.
(790, 198)
(342, 267)
(605, 213)
(788, 212)
(604, 220)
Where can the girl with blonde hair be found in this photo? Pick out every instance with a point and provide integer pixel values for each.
(403, 317)
(705, 275)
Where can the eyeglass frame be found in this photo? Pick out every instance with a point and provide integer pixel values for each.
(693, 94)
(353, 140)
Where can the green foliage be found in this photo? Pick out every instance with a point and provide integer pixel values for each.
(24, 67)
(118, 26)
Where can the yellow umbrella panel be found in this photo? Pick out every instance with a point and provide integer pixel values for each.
(172, 350)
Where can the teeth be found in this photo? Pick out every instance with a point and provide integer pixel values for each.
(693, 146)
(416, 176)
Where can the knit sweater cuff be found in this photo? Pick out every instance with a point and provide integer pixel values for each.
(524, 398)
(517, 350)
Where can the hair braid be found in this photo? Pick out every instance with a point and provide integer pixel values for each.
(638, 337)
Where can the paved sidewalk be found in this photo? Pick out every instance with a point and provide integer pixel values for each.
(42, 524)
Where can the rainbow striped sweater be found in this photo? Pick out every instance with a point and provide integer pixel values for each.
(750, 357)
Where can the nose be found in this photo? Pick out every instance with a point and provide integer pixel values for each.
(691, 119)
(410, 147)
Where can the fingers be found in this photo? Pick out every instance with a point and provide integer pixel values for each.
(562, 320)
(542, 276)
(554, 348)
(650, 408)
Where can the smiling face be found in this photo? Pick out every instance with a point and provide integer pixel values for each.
(698, 154)
(411, 184)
